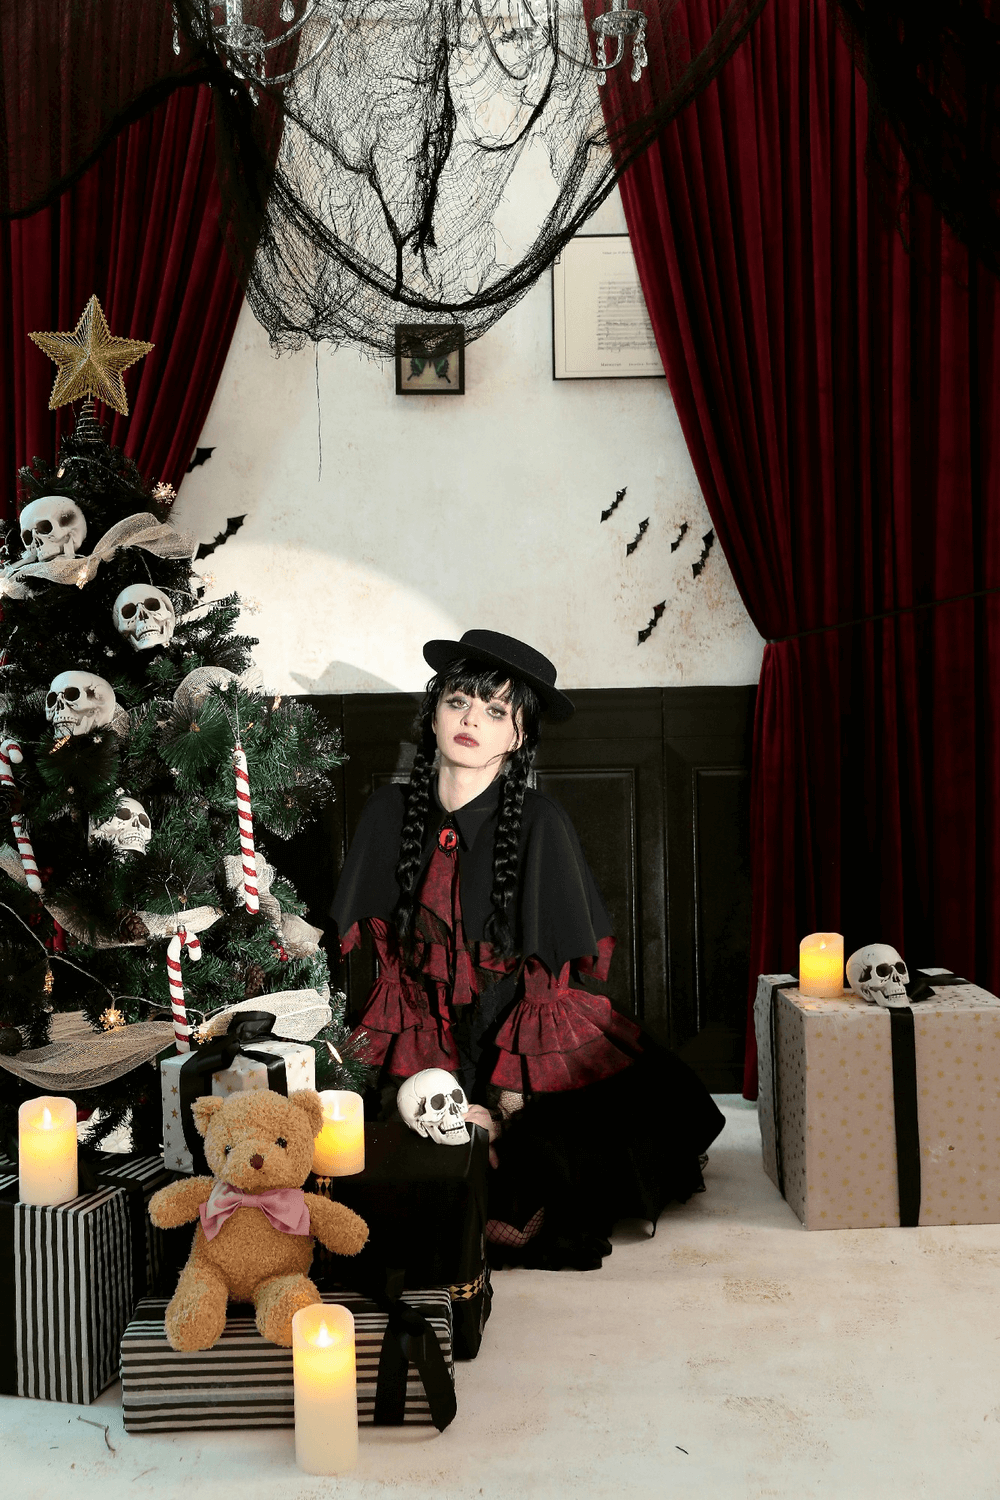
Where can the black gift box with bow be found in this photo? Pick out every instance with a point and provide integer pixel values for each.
(425, 1207)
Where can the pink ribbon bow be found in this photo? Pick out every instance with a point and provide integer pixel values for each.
(285, 1208)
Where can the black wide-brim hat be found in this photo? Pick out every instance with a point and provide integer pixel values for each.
(510, 655)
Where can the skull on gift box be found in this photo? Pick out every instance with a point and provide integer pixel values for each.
(128, 828)
(52, 527)
(878, 974)
(144, 616)
(433, 1103)
(78, 702)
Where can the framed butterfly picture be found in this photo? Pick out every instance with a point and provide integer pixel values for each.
(430, 359)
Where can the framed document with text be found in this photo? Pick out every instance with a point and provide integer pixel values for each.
(600, 326)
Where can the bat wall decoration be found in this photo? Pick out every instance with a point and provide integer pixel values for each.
(707, 542)
(643, 528)
(619, 497)
(680, 536)
(201, 456)
(232, 527)
(654, 621)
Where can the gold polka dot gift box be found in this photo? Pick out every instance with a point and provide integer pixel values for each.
(870, 1116)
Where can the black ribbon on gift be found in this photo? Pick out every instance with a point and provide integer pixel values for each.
(410, 1339)
(904, 1104)
(217, 1054)
(779, 1157)
(922, 987)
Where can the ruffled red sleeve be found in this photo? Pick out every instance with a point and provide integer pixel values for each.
(350, 940)
(398, 1027)
(558, 1038)
(599, 966)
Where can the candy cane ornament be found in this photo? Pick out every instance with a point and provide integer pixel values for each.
(180, 940)
(244, 812)
(10, 752)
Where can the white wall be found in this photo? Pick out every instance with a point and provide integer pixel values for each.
(434, 515)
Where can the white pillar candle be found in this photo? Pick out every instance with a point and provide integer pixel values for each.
(326, 1389)
(340, 1146)
(821, 965)
(47, 1150)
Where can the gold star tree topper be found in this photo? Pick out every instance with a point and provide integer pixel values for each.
(90, 360)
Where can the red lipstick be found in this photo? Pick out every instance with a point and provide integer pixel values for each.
(466, 739)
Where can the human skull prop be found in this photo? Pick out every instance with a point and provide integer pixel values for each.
(145, 616)
(128, 828)
(433, 1103)
(78, 702)
(878, 974)
(52, 527)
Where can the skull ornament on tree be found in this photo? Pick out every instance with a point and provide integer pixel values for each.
(129, 828)
(52, 527)
(433, 1103)
(145, 616)
(78, 702)
(878, 974)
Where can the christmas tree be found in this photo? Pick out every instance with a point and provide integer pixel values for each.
(140, 764)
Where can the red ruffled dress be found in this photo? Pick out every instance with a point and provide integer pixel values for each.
(553, 1037)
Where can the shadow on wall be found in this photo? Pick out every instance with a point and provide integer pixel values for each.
(345, 677)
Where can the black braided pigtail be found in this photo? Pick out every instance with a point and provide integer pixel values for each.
(505, 847)
(418, 801)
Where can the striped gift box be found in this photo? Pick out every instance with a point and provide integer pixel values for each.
(70, 1271)
(243, 1381)
(70, 1282)
(150, 1173)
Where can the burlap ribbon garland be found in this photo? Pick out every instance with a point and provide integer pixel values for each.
(141, 530)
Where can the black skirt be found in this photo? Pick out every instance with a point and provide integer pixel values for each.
(621, 1148)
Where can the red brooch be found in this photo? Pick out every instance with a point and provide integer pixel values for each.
(448, 840)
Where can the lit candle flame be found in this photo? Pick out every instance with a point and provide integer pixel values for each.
(323, 1338)
(46, 1121)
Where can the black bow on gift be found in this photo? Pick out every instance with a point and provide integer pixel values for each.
(921, 988)
(409, 1339)
(219, 1053)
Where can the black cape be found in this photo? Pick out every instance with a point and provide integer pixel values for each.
(560, 915)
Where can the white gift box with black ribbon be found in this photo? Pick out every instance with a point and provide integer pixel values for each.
(295, 1062)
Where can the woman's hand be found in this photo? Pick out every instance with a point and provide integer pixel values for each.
(478, 1114)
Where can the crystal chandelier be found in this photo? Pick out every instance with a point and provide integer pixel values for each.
(245, 46)
(534, 24)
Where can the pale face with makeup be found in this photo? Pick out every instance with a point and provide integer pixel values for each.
(473, 735)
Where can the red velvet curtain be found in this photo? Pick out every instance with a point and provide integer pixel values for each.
(837, 391)
(140, 229)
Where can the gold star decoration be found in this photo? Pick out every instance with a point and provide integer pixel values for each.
(90, 360)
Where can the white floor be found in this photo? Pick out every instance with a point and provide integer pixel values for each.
(733, 1357)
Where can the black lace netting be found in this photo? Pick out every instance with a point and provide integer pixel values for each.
(376, 188)
(403, 150)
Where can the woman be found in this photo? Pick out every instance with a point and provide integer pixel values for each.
(484, 913)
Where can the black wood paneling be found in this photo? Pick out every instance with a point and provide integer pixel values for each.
(656, 781)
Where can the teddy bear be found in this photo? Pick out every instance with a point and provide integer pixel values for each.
(254, 1242)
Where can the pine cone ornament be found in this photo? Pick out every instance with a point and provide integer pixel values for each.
(131, 927)
(254, 980)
